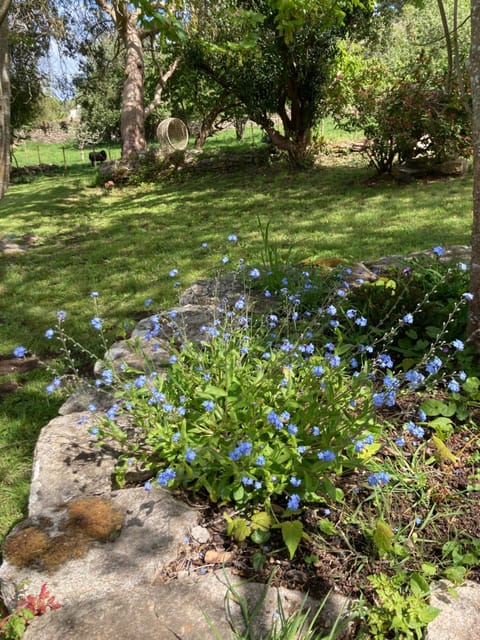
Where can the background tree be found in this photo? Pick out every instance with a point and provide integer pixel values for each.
(98, 85)
(473, 328)
(202, 104)
(4, 98)
(26, 30)
(32, 26)
(274, 57)
(402, 91)
(133, 38)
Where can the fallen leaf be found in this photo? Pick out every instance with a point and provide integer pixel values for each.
(217, 557)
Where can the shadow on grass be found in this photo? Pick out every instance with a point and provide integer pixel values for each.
(124, 244)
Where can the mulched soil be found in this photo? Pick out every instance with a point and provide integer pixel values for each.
(343, 561)
(12, 370)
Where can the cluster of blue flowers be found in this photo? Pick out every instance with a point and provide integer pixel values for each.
(303, 359)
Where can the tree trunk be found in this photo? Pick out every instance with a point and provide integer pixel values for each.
(4, 99)
(473, 329)
(448, 45)
(132, 120)
(297, 145)
(208, 121)
(240, 124)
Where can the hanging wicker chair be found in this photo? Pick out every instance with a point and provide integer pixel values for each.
(172, 134)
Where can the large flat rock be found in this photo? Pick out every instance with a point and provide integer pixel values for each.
(189, 608)
(154, 526)
(460, 612)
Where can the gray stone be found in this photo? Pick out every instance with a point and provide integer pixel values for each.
(458, 253)
(423, 166)
(200, 534)
(215, 291)
(181, 324)
(155, 525)
(84, 396)
(68, 463)
(196, 608)
(139, 354)
(457, 167)
(460, 614)
(225, 291)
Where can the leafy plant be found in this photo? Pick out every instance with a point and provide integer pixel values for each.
(407, 114)
(13, 626)
(401, 609)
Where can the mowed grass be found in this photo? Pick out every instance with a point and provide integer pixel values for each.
(66, 155)
(123, 243)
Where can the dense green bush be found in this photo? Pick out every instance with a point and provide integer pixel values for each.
(407, 114)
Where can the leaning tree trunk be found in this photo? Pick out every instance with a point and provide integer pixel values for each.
(4, 99)
(132, 120)
(473, 328)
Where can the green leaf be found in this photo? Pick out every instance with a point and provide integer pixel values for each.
(438, 408)
(471, 385)
(260, 537)
(261, 520)
(428, 613)
(456, 574)
(462, 413)
(326, 526)
(258, 559)
(211, 392)
(333, 492)
(238, 528)
(238, 494)
(470, 559)
(428, 568)
(443, 450)
(442, 426)
(292, 532)
(383, 537)
(419, 585)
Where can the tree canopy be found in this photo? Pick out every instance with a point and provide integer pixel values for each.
(274, 57)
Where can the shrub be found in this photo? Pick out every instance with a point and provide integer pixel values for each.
(407, 115)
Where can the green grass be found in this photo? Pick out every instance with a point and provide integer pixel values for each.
(28, 153)
(123, 244)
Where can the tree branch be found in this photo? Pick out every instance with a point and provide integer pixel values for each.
(157, 96)
(4, 7)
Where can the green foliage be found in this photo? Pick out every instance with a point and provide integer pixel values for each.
(301, 624)
(32, 26)
(405, 115)
(430, 290)
(402, 610)
(458, 407)
(254, 53)
(235, 390)
(99, 87)
(462, 555)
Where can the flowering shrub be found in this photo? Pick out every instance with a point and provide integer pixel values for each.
(273, 409)
(406, 115)
(251, 417)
